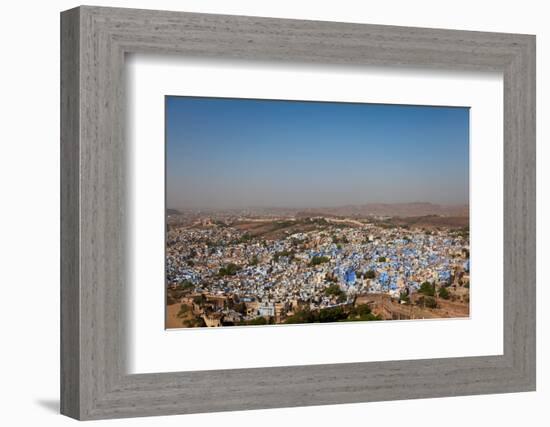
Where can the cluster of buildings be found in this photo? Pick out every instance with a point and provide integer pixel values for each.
(263, 278)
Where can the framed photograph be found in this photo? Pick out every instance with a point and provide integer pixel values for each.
(261, 213)
(282, 226)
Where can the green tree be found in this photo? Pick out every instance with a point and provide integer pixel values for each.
(334, 290)
(185, 285)
(258, 321)
(289, 254)
(425, 301)
(427, 289)
(229, 270)
(316, 260)
(444, 293)
(370, 274)
(333, 314)
(361, 313)
(302, 316)
(430, 302)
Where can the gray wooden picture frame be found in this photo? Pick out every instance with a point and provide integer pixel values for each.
(94, 382)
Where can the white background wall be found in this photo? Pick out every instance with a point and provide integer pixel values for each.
(29, 212)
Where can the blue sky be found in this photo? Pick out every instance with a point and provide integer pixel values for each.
(237, 153)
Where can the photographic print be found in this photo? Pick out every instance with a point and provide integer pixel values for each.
(296, 212)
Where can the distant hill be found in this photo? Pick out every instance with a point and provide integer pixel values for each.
(402, 210)
(391, 209)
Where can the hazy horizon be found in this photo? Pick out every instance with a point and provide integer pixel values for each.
(243, 154)
(168, 206)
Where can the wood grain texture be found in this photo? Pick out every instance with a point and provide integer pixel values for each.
(94, 381)
(70, 291)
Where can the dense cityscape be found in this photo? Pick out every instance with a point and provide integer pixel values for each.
(234, 268)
